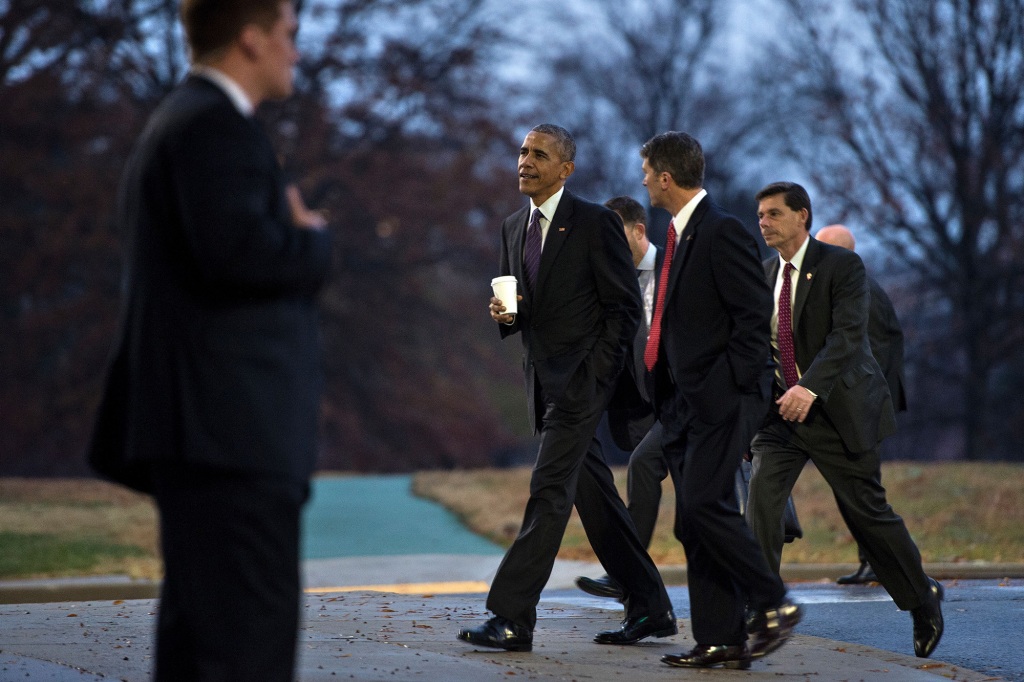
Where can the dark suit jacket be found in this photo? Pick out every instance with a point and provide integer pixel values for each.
(217, 361)
(830, 341)
(587, 304)
(718, 338)
(886, 338)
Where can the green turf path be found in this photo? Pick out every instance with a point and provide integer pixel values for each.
(379, 516)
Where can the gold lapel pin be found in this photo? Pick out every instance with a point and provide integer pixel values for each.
(809, 275)
(561, 229)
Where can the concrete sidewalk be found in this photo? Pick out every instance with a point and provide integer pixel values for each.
(409, 633)
(377, 636)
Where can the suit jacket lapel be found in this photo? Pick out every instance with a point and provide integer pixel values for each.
(517, 235)
(683, 247)
(805, 279)
(771, 270)
(558, 230)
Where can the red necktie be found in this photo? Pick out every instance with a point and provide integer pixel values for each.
(784, 333)
(654, 338)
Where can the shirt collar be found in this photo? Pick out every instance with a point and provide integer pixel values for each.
(647, 262)
(683, 217)
(549, 207)
(797, 261)
(230, 87)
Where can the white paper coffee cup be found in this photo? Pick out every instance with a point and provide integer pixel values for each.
(505, 291)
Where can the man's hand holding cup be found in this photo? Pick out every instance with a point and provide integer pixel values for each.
(505, 302)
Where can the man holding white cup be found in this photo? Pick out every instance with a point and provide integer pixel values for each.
(577, 306)
(504, 289)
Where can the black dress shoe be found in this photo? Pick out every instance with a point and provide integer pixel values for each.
(635, 629)
(862, 576)
(928, 623)
(770, 629)
(499, 633)
(600, 587)
(735, 657)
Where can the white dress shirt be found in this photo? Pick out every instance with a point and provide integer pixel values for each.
(547, 212)
(645, 273)
(683, 217)
(230, 87)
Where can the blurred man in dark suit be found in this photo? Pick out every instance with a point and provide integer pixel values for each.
(709, 351)
(579, 312)
(212, 398)
(833, 406)
(886, 338)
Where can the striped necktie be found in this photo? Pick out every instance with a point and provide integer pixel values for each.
(531, 254)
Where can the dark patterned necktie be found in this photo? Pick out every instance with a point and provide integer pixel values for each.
(654, 338)
(784, 333)
(531, 254)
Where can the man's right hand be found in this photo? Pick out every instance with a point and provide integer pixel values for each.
(302, 216)
(498, 313)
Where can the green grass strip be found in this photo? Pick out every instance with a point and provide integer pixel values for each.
(34, 554)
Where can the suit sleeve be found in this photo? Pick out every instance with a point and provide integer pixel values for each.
(740, 282)
(848, 296)
(238, 230)
(618, 292)
(886, 338)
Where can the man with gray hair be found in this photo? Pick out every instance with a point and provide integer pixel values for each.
(578, 310)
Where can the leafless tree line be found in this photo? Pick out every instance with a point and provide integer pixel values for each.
(904, 119)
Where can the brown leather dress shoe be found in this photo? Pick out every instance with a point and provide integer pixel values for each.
(734, 657)
(770, 629)
(499, 633)
(928, 625)
(635, 629)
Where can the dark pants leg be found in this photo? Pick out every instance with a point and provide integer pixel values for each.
(857, 486)
(780, 452)
(776, 464)
(570, 469)
(726, 569)
(647, 469)
(229, 606)
(613, 536)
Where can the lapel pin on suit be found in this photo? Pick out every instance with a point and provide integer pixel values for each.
(561, 229)
(809, 275)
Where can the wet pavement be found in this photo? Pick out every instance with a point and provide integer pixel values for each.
(388, 606)
(351, 632)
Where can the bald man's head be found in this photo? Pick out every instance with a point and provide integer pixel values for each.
(837, 235)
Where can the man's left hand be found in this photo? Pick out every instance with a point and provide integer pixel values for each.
(795, 404)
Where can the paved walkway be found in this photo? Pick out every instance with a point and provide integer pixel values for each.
(370, 636)
(408, 633)
(374, 613)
